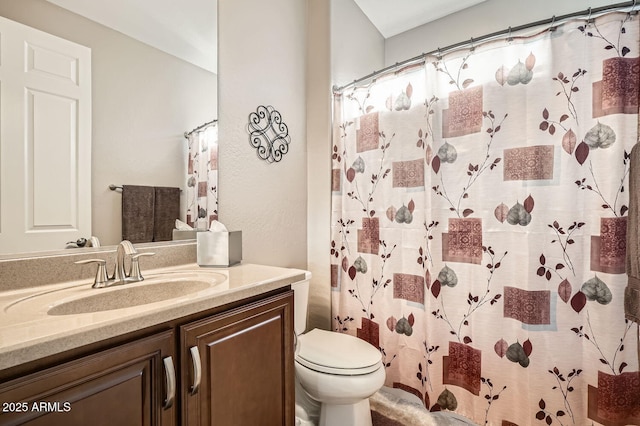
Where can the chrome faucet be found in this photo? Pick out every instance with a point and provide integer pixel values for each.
(124, 248)
(120, 274)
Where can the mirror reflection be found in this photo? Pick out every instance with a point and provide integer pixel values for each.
(147, 89)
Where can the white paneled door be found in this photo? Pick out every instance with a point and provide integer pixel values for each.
(45, 140)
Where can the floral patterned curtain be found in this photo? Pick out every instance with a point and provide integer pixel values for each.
(478, 226)
(202, 177)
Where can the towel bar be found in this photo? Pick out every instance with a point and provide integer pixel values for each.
(119, 187)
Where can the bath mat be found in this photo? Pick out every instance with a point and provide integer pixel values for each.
(394, 407)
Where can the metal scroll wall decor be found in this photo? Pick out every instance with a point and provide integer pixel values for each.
(268, 134)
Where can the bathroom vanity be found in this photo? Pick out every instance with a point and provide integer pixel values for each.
(221, 355)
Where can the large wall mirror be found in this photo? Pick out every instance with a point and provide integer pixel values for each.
(153, 78)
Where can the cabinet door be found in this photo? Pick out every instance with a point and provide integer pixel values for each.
(122, 386)
(237, 367)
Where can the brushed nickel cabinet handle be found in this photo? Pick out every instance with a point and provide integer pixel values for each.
(170, 376)
(197, 370)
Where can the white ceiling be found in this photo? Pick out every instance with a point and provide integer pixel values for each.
(393, 17)
(188, 28)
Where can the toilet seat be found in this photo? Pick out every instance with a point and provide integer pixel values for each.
(337, 353)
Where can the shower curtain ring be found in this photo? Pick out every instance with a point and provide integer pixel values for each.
(509, 38)
(589, 17)
(439, 57)
(472, 46)
(553, 21)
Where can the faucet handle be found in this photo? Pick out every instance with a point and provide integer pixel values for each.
(136, 274)
(101, 279)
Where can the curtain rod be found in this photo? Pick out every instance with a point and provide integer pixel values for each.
(200, 127)
(473, 40)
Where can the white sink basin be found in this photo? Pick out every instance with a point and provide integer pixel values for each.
(83, 299)
(127, 296)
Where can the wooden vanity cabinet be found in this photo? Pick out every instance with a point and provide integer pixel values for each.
(240, 361)
(122, 386)
(239, 366)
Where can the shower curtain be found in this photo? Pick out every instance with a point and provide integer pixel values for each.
(202, 177)
(479, 208)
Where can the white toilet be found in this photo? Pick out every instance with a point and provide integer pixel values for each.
(336, 371)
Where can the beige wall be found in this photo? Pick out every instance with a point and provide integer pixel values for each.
(341, 44)
(319, 161)
(261, 61)
(357, 48)
(143, 101)
(286, 53)
(484, 18)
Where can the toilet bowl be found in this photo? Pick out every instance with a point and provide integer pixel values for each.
(336, 371)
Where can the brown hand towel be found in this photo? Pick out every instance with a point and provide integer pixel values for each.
(167, 210)
(632, 292)
(137, 213)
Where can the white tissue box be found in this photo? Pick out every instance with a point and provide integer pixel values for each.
(179, 234)
(219, 248)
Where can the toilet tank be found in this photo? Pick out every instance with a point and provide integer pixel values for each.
(300, 303)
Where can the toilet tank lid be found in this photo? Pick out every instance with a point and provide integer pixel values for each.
(337, 350)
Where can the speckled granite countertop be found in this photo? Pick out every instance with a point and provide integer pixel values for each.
(28, 332)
